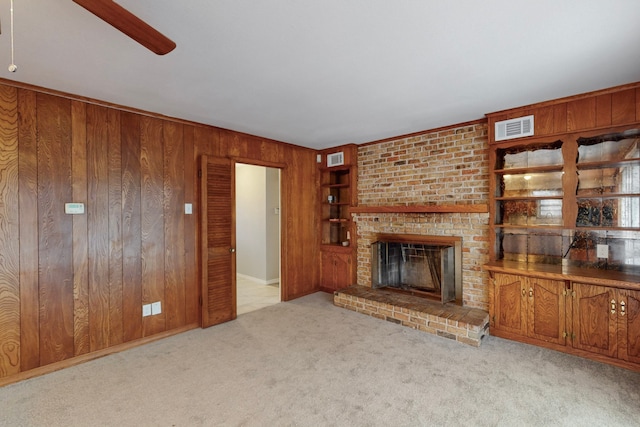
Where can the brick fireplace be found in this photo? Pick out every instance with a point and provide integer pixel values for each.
(441, 167)
(402, 288)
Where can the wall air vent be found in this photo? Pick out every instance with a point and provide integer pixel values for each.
(335, 159)
(514, 128)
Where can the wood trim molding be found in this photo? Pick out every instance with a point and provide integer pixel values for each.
(577, 97)
(610, 278)
(56, 366)
(419, 239)
(93, 101)
(468, 208)
(258, 162)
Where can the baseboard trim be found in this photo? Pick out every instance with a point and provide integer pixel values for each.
(260, 281)
(56, 366)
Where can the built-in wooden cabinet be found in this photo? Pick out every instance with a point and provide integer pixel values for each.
(336, 268)
(596, 321)
(564, 224)
(606, 321)
(338, 194)
(530, 307)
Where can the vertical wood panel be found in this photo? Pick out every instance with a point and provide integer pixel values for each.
(116, 320)
(80, 228)
(581, 114)
(98, 223)
(638, 104)
(543, 121)
(152, 202)
(55, 229)
(174, 226)
(9, 235)
(131, 226)
(192, 290)
(560, 118)
(300, 270)
(623, 107)
(29, 311)
(603, 110)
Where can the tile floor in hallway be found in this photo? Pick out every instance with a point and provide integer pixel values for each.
(252, 295)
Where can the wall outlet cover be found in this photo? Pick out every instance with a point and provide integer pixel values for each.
(602, 251)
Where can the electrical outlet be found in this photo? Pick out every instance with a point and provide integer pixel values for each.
(602, 251)
(156, 308)
(188, 208)
(146, 310)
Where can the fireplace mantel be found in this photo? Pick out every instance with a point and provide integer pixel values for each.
(466, 208)
(418, 238)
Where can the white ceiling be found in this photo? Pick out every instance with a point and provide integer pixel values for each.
(325, 73)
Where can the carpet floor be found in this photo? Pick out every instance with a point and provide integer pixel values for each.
(309, 363)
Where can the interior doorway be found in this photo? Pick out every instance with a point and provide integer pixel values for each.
(257, 237)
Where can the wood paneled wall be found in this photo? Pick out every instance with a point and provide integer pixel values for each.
(615, 106)
(73, 285)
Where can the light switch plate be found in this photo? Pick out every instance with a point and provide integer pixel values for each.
(146, 310)
(602, 251)
(156, 308)
(188, 208)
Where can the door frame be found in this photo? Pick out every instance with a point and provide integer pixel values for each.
(283, 168)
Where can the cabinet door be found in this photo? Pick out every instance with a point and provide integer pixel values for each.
(546, 310)
(328, 270)
(595, 319)
(510, 303)
(336, 270)
(629, 325)
(342, 270)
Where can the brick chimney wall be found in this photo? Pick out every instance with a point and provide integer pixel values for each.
(447, 166)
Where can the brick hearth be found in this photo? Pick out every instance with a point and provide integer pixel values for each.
(463, 324)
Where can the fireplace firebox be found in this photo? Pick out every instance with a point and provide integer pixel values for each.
(426, 266)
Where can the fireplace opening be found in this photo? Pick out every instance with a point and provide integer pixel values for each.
(425, 266)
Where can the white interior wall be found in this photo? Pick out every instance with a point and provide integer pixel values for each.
(273, 224)
(258, 222)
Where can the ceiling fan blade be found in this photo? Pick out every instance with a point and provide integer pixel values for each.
(125, 21)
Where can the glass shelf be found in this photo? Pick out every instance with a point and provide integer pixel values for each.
(531, 156)
(608, 193)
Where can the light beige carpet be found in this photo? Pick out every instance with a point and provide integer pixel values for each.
(308, 363)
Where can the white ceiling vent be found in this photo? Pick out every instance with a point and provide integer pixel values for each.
(514, 128)
(335, 159)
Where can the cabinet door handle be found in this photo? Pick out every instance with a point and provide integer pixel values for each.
(623, 308)
(613, 306)
(524, 292)
(530, 292)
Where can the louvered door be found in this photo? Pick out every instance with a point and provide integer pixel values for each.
(218, 241)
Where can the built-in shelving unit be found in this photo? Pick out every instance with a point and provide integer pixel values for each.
(336, 200)
(564, 227)
(338, 197)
